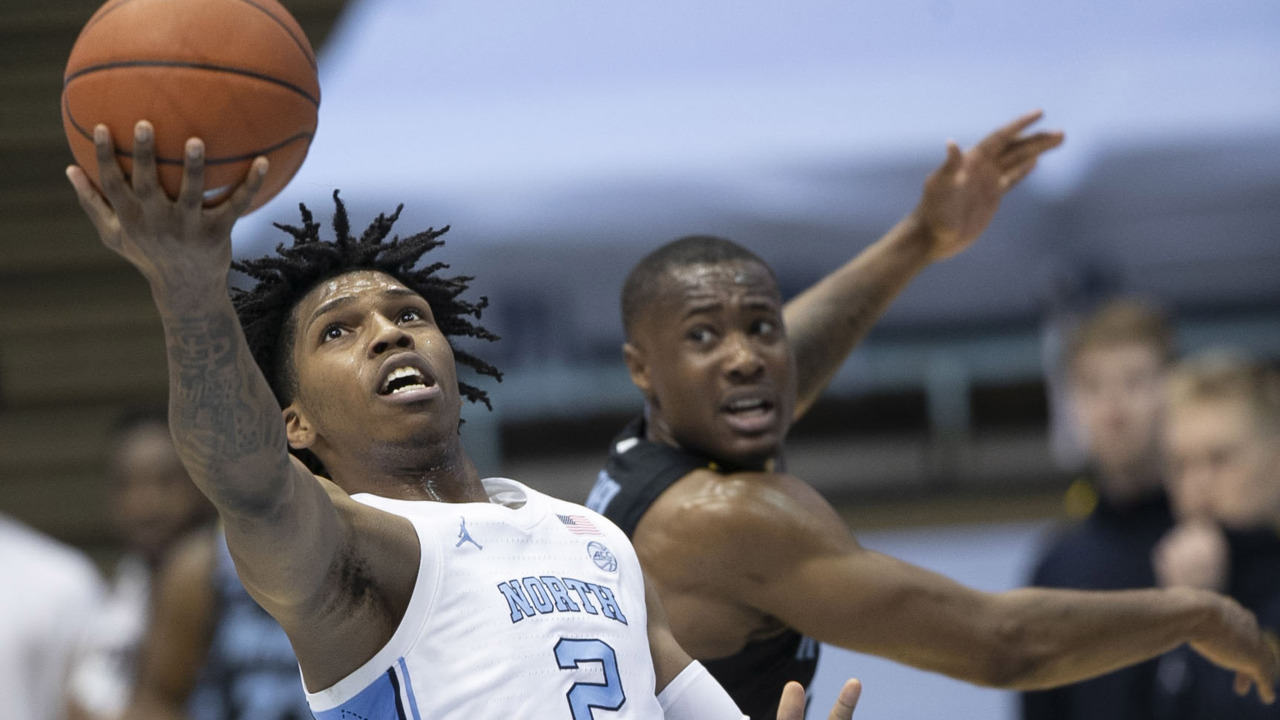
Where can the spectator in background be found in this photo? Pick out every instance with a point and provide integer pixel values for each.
(49, 591)
(153, 504)
(1223, 441)
(1115, 364)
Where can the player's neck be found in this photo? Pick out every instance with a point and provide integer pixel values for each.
(447, 476)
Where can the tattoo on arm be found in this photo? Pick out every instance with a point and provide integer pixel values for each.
(221, 405)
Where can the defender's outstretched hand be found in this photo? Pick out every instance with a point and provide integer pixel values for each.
(792, 705)
(962, 195)
(1235, 642)
(179, 240)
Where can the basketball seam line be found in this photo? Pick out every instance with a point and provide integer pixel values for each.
(194, 66)
(306, 52)
(208, 161)
(304, 45)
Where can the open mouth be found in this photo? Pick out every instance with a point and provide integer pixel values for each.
(749, 414)
(404, 380)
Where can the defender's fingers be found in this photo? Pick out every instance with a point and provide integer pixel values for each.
(791, 706)
(1030, 147)
(144, 160)
(1008, 133)
(191, 193)
(954, 158)
(1014, 176)
(847, 700)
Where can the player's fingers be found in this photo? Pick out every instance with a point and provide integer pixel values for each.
(847, 701)
(94, 205)
(791, 706)
(110, 176)
(191, 193)
(144, 160)
(243, 195)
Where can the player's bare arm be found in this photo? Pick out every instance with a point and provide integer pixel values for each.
(769, 543)
(293, 536)
(958, 202)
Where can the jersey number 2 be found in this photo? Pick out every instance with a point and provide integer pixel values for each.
(584, 696)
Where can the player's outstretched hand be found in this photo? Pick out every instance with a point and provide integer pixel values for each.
(176, 242)
(1235, 642)
(792, 705)
(963, 194)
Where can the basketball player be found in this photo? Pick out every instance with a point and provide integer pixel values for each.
(153, 506)
(408, 586)
(211, 652)
(1222, 437)
(749, 559)
(1115, 367)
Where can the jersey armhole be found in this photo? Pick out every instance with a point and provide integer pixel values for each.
(407, 633)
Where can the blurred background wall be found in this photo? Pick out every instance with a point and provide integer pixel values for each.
(562, 140)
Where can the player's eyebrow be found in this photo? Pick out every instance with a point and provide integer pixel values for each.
(701, 308)
(329, 306)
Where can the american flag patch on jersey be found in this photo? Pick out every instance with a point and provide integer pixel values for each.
(578, 525)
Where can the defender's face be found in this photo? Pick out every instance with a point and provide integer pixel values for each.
(712, 358)
(1117, 393)
(1223, 465)
(371, 367)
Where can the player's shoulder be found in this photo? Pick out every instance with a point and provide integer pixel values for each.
(733, 506)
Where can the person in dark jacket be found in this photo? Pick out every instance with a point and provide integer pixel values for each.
(1222, 434)
(1115, 365)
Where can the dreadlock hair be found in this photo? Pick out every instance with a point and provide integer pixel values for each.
(266, 311)
(641, 285)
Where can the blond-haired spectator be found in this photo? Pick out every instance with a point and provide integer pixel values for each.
(1222, 434)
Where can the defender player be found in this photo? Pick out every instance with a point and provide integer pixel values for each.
(344, 357)
(749, 560)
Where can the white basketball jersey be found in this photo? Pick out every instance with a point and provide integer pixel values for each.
(524, 607)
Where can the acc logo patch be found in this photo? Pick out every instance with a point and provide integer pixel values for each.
(601, 556)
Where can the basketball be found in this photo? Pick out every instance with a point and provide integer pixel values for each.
(238, 74)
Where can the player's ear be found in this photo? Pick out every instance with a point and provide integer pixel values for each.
(297, 428)
(637, 365)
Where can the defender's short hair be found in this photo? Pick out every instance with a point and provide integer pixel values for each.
(642, 282)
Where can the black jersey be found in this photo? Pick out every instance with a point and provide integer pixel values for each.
(638, 472)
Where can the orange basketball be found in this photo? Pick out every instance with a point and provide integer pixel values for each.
(238, 74)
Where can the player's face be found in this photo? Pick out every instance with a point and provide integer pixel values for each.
(712, 357)
(371, 369)
(154, 500)
(1117, 393)
(1223, 465)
